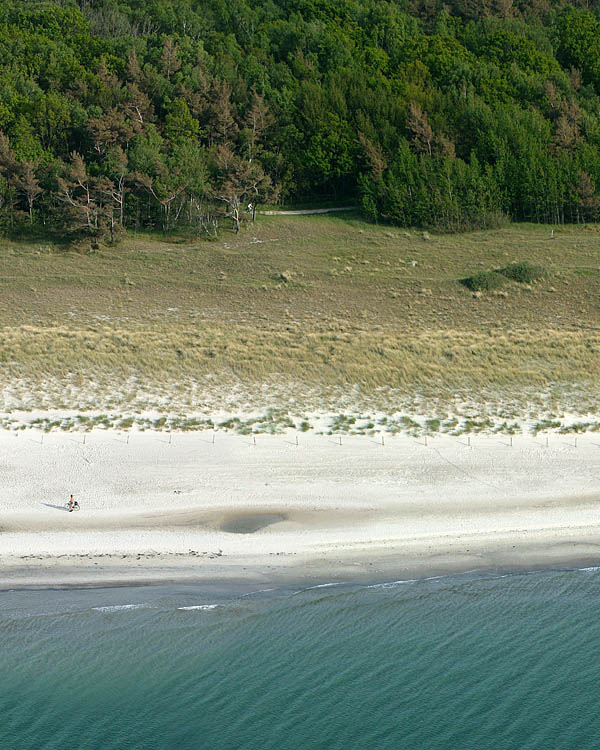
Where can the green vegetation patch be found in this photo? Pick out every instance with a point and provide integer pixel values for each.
(523, 272)
(546, 424)
(484, 281)
(580, 427)
(507, 428)
(274, 422)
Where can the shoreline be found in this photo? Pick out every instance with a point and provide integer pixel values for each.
(364, 566)
(71, 576)
(274, 512)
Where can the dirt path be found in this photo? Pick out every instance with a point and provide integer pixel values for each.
(307, 211)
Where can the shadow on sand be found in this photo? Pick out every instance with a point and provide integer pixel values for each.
(248, 523)
(57, 507)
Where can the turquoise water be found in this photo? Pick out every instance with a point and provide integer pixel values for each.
(463, 662)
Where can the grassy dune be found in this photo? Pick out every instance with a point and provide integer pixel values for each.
(308, 308)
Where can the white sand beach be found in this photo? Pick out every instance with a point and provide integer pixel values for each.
(154, 510)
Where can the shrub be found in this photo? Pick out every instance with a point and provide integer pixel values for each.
(484, 281)
(508, 429)
(523, 272)
(473, 425)
(545, 424)
(450, 424)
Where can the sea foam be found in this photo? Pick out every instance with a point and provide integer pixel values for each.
(199, 606)
(117, 607)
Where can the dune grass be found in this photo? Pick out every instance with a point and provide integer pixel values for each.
(428, 360)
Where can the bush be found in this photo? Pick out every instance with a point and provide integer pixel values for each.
(523, 272)
(484, 281)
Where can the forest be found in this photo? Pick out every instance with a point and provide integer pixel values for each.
(176, 115)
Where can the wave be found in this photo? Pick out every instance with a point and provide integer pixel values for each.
(259, 591)
(391, 584)
(320, 586)
(117, 607)
(199, 606)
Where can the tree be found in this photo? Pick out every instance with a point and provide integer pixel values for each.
(77, 190)
(257, 121)
(170, 60)
(133, 69)
(164, 188)
(238, 182)
(420, 129)
(224, 126)
(374, 156)
(27, 183)
(19, 175)
(566, 134)
(588, 205)
(137, 107)
(107, 85)
(179, 123)
(109, 129)
(8, 166)
(113, 187)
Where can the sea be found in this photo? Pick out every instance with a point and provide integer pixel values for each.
(468, 661)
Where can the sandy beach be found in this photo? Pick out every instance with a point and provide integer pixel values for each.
(177, 508)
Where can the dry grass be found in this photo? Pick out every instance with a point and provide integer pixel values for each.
(428, 360)
(300, 306)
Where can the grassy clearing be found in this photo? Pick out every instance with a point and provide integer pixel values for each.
(318, 309)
